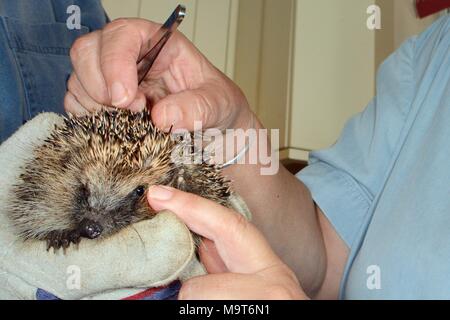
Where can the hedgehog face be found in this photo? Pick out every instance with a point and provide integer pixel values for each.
(102, 209)
(109, 197)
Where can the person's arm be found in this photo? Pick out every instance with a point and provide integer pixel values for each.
(183, 87)
(295, 227)
(297, 230)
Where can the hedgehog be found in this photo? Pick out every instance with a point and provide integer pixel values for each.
(90, 176)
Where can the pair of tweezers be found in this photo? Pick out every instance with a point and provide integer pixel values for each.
(158, 40)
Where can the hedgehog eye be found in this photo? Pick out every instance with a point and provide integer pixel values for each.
(84, 191)
(139, 191)
(82, 195)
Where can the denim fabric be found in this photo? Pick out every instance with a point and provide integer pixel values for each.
(34, 56)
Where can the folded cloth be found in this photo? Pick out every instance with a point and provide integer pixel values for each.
(169, 292)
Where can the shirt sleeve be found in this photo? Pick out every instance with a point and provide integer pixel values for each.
(345, 179)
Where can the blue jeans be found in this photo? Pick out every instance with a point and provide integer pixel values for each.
(34, 56)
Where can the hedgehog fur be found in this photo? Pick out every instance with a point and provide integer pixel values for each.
(90, 177)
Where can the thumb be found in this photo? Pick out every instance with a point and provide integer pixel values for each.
(240, 245)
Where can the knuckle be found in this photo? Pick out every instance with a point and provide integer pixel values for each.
(188, 200)
(119, 28)
(67, 103)
(72, 86)
(71, 105)
(71, 83)
(116, 24)
(238, 224)
(79, 46)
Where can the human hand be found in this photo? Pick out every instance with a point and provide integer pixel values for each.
(240, 262)
(182, 86)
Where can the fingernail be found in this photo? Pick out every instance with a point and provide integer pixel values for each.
(172, 115)
(161, 193)
(118, 94)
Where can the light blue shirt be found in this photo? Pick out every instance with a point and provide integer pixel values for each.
(385, 184)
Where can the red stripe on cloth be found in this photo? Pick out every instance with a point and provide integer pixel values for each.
(144, 294)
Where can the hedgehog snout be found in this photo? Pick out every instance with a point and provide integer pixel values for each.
(90, 229)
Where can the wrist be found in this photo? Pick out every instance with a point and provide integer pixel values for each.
(237, 101)
(234, 145)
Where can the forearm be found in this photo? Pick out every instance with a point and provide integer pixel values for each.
(284, 211)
